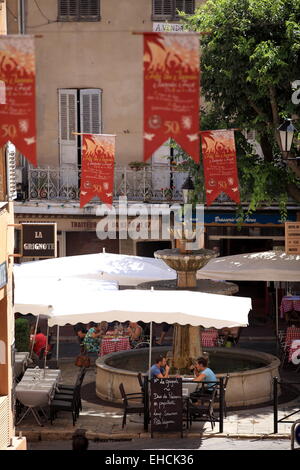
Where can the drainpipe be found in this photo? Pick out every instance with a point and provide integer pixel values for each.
(21, 17)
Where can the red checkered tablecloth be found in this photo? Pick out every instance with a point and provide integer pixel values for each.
(292, 334)
(295, 347)
(110, 345)
(209, 338)
(288, 304)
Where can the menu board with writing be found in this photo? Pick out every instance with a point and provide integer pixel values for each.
(166, 405)
(292, 238)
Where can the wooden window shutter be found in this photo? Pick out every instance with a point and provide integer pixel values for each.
(162, 8)
(68, 125)
(89, 8)
(79, 10)
(188, 6)
(90, 111)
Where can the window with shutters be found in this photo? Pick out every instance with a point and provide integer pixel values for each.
(79, 10)
(80, 111)
(168, 9)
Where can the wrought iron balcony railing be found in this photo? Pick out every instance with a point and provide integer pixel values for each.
(160, 183)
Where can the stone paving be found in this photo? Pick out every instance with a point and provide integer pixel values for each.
(104, 421)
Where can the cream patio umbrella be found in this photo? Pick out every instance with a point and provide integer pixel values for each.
(125, 269)
(71, 305)
(274, 266)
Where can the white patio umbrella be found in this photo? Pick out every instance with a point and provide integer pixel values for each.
(71, 304)
(39, 296)
(263, 266)
(274, 266)
(126, 270)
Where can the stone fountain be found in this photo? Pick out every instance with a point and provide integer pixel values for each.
(187, 339)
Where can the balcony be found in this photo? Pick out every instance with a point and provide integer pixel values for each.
(153, 184)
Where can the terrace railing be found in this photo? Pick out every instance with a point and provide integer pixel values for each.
(159, 183)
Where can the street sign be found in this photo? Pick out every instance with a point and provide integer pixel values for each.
(292, 238)
(39, 240)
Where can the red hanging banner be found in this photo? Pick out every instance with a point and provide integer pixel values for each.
(17, 94)
(97, 168)
(171, 91)
(220, 168)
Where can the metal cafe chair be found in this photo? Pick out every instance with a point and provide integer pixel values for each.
(69, 392)
(203, 412)
(131, 408)
(63, 405)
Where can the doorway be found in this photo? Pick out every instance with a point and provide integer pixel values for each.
(148, 248)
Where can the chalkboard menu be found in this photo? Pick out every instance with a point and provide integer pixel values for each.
(166, 405)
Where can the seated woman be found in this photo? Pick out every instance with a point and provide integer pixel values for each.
(103, 328)
(92, 339)
(135, 333)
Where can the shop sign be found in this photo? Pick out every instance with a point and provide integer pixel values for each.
(230, 218)
(3, 275)
(39, 240)
(292, 238)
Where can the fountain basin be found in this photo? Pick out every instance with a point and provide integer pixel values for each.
(250, 385)
(185, 262)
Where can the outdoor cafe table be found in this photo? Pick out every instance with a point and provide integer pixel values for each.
(21, 361)
(209, 338)
(114, 344)
(289, 303)
(36, 390)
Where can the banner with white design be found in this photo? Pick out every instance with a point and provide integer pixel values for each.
(220, 167)
(97, 168)
(171, 91)
(17, 94)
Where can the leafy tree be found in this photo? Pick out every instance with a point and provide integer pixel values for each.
(250, 59)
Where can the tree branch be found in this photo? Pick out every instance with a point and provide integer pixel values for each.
(261, 114)
(275, 114)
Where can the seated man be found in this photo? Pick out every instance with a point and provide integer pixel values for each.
(204, 374)
(160, 369)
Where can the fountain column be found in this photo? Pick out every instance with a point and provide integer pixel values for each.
(186, 339)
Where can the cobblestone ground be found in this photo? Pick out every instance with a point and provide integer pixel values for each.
(168, 444)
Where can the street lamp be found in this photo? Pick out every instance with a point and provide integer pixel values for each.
(286, 133)
(187, 189)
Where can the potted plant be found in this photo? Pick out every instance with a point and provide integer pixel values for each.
(22, 335)
(137, 166)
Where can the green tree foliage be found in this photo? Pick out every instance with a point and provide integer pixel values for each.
(22, 335)
(249, 60)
